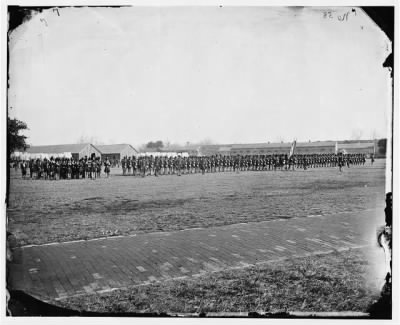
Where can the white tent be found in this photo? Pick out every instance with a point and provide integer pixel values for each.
(163, 154)
(27, 156)
(68, 155)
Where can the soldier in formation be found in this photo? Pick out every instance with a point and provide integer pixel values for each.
(163, 165)
(65, 168)
(91, 167)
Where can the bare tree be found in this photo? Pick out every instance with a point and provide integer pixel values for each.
(206, 141)
(92, 140)
(356, 134)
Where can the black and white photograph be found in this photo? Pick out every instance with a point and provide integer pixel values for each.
(188, 160)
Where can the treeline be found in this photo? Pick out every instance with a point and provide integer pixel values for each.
(381, 148)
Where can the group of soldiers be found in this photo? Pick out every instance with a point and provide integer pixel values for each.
(64, 168)
(150, 165)
(92, 167)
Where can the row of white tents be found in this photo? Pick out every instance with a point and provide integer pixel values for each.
(27, 156)
(163, 154)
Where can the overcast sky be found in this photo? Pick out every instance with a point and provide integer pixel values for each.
(230, 75)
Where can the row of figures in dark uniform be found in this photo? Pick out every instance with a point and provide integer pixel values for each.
(163, 165)
(64, 168)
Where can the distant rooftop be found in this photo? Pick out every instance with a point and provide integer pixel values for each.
(113, 148)
(284, 145)
(355, 145)
(60, 148)
(181, 148)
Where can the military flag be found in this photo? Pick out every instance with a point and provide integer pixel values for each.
(292, 149)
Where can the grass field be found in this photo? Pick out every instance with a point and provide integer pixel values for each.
(48, 211)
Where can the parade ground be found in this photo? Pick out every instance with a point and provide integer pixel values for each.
(79, 239)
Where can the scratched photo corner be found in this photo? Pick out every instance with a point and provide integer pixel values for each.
(199, 161)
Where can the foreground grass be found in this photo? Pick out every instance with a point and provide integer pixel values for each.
(333, 282)
(57, 211)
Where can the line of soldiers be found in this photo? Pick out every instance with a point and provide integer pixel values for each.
(64, 168)
(149, 165)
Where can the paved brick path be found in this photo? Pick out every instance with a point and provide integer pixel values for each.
(56, 271)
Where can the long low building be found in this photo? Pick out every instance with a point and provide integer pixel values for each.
(191, 150)
(77, 151)
(283, 148)
(116, 151)
(316, 147)
(367, 148)
(269, 148)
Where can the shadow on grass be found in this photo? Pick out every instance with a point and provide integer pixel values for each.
(22, 304)
(382, 308)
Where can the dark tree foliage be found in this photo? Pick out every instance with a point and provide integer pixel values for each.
(155, 145)
(382, 146)
(15, 140)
